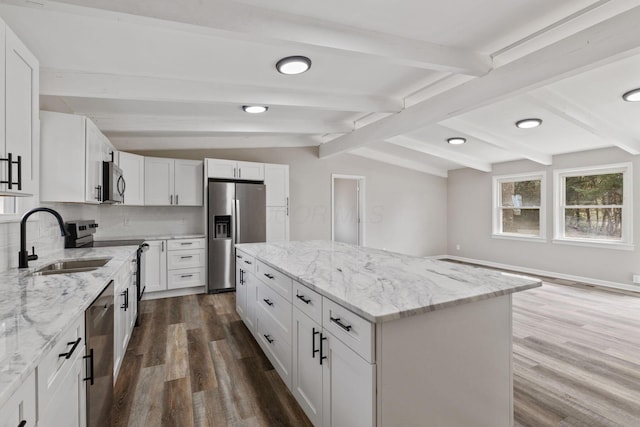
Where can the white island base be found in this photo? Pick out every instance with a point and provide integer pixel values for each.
(447, 368)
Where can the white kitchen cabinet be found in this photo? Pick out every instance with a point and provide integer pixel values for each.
(173, 182)
(132, 166)
(155, 266)
(241, 292)
(306, 382)
(19, 124)
(21, 406)
(232, 169)
(249, 292)
(276, 179)
(124, 313)
(185, 263)
(69, 139)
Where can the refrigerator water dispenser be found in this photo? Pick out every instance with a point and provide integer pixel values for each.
(222, 226)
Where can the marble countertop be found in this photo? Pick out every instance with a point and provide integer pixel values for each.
(380, 285)
(36, 310)
(161, 237)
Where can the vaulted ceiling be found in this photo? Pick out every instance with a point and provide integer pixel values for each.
(389, 81)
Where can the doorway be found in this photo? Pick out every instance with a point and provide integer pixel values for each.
(347, 209)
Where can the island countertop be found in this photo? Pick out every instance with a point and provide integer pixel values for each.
(36, 310)
(381, 286)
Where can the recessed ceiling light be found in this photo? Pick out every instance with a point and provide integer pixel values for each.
(528, 123)
(456, 141)
(254, 109)
(293, 65)
(632, 95)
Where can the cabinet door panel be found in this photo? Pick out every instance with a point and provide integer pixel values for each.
(154, 276)
(251, 300)
(348, 386)
(188, 183)
(276, 178)
(241, 292)
(132, 167)
(306, 381)
(94, 155)
(217, 168)
(158, 181)
(66, 408)
(277, 224)
(251, 171)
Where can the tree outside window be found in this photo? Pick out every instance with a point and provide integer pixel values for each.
(519, 206)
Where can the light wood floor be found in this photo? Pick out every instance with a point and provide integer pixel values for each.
(193, 363)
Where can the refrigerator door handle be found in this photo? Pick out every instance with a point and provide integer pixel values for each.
(237, 220)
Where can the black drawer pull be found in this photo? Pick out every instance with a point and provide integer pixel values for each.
(186, 257)
(303, 299)
(22, 423)
(269, 276)
(189, 243)
(338, 322)
(239, 256)
(268, 301)
(268, 338)
(125, 294)
(68, 354)
(247, 262)
(186, 275)
(313, 343)
(322, 340)
(90, 357)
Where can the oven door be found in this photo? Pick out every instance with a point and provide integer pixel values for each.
(113, 183)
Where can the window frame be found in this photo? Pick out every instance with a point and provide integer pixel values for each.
(559, 203)
(498, 180)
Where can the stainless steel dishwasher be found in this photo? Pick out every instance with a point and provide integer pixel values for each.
(99, 357)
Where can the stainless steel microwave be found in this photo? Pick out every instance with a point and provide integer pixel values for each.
(113, 183)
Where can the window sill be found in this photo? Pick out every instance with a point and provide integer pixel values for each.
(596, 244)
(536, 239)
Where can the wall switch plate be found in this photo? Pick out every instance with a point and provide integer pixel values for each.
(457, 247)
(636, 279)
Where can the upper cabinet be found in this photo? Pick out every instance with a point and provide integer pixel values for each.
(19, 127)
(72, 151)
(276, 178)
(173, 182)
(132, 166)
(231, 169)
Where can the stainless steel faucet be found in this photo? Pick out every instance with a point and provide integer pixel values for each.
(23, 255)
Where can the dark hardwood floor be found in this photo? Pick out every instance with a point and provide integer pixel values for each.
(192, 362)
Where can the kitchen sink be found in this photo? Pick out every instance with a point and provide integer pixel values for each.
(71, 266)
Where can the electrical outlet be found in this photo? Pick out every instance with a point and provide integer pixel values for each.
(636, 279)
(457, 247)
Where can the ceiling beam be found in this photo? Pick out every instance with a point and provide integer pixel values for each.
(602, 43)
(451, 155)
(558, 104)
(381, 156)
(472, 130)
(210, 142)
(232, 19)
(138, 124)
(111, 86)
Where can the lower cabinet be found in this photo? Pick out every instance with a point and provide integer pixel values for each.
(124, 313)
(21, 406)
(173, 264)
(241, 292)
(154, 277)
(306, 384)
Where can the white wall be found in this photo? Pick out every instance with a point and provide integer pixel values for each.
(469, 223)
(405, 212)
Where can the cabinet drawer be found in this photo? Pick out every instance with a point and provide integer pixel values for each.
(278, 308)
(307, 301)
(180, 244)
(272, 277)
(245, 260)
(185, 259)
(21, 406)
(351, 329)
(54, 368)
(274, 344)
(185, 278)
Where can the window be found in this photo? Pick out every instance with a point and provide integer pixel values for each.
(518, 206)
(593, 205)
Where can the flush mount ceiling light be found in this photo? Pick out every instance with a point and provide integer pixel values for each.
(456, 141)
(293, 65)
(632, 95)
(254, 109)
(528, 123)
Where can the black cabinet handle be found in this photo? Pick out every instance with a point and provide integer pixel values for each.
(322, 340)
(268, 338)
(247, 262)
(125, 305)
(20, 176)
(239, 256)
(338, 322)
(313, 343)
(10, 162)
(186, 275)
(90, 357)
(186, 257)
(22, 423)
(268, 301)
(68, 354)
(241, 276)
(269, 276)
(190, 243)
(303, 299)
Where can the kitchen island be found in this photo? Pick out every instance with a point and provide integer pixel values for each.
(374, 338)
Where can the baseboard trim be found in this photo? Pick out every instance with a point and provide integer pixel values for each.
(173, 293)
(587, 280)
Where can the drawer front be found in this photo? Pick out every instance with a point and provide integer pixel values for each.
(307, 301)
(185, 259)
(24, 398)
(277, 349)
(180, 244)
(278, 308)
(272, 277)
(54, 368)
(351, 329)
(245, 260)
(185, 278)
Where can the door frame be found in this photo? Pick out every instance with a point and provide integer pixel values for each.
(361, 205)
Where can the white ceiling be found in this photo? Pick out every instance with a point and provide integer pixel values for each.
(160, 74)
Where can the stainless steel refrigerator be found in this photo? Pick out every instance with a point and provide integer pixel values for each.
(237, 214)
